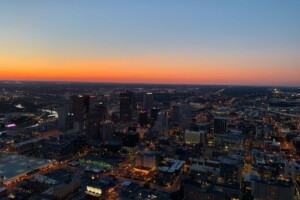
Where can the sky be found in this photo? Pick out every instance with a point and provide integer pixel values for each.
(235, 42)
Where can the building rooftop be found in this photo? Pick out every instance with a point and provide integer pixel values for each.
(27, 142)
(229, 161)
(279, 183)
(2, 189)
(13, 165)
(230, 136)
(176, 165)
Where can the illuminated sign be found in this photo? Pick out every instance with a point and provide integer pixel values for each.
(93, 190)
(10, 125)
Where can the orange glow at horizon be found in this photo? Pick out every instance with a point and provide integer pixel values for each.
(147, 70)
(199, 42)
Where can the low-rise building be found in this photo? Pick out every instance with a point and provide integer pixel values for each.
(145, 160)
(194, 137)
(229, 141)
(272, 190)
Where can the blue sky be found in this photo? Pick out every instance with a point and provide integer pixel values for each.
(187, 30)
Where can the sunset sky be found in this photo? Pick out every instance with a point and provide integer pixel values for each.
(239, 42)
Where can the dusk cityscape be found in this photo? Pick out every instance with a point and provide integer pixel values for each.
(150, 100)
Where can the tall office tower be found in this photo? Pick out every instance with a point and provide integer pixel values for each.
(101, 108)
(89, 103)
(127, 106)
(65, 115)
(161, 124)
(78, 110)
(143, 118)
(220, 125)
(94, 120)
(185, 115)
(92, 125)
(231, 172)
(82, 105)
(175, 114)
(73, 113)
(107, 131)
(148, 100)
(154, 114)
(182, 114)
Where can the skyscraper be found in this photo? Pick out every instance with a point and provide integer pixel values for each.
(94, 120)
(65, 115)
(220, 125)
(176, 113)
(78, 109)
(73, 114)
(143, 118)
(127, 106)
(92, 126)
(154, 113)
(82, 105)
(148, 100)
(161, 124)
(182, 114)
(89, 103)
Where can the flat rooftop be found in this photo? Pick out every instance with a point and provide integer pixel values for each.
(229, 161)
(14, 165)
(26, 142)
(176, 165)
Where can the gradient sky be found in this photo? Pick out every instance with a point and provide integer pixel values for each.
(253, 42)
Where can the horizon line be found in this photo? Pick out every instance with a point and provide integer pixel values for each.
(153, 83)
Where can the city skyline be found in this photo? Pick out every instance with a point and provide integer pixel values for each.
(170, 42)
